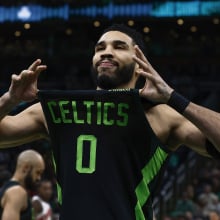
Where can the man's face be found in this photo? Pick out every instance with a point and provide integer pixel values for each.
(112, 62)
(45, 190)
(33, 176)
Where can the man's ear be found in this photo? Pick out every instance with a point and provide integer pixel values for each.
(26, 168)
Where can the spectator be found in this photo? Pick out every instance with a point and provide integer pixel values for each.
(208, 196)
(184, 206)
(40, 201)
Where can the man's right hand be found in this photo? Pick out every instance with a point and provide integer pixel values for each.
(24, 86)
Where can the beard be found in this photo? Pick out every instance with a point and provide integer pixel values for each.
(30, 184)
(106, 80)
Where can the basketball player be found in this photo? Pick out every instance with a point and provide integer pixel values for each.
(110, 145)
(15, 203)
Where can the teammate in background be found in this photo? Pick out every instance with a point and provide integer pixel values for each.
(15, 202)
(41, 201)
(127, 156)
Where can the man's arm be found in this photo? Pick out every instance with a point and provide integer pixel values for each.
(29, 125)
(206, 120)
(202, 123)
(184, 132)
(6, 105)
(174, 130)
(14, 202)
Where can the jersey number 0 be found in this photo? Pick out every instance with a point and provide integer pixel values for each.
(92, 153)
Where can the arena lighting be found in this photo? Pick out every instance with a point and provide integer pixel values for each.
(193, 29)
(24, 13)
(36, 13)
(131, 23)
(96, 24)
(69, 31)
(17, 33)
(27, 26)
(216, 21)
(146, 29)
(180, 21)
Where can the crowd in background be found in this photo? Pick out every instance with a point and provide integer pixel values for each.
(199, 198)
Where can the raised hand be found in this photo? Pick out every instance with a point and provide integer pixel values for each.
(24, 86)
(155, 88)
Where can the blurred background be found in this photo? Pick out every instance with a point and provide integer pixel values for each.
(182, 43)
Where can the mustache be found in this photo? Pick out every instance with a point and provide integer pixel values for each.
(106, 60)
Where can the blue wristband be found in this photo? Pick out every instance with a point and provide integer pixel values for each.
(178, 102)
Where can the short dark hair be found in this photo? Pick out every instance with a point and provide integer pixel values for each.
(136, 36)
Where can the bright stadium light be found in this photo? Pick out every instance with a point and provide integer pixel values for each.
(24, 13)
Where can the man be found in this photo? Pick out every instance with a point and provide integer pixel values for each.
(109, 145)
(15, 203)
(41, 201)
